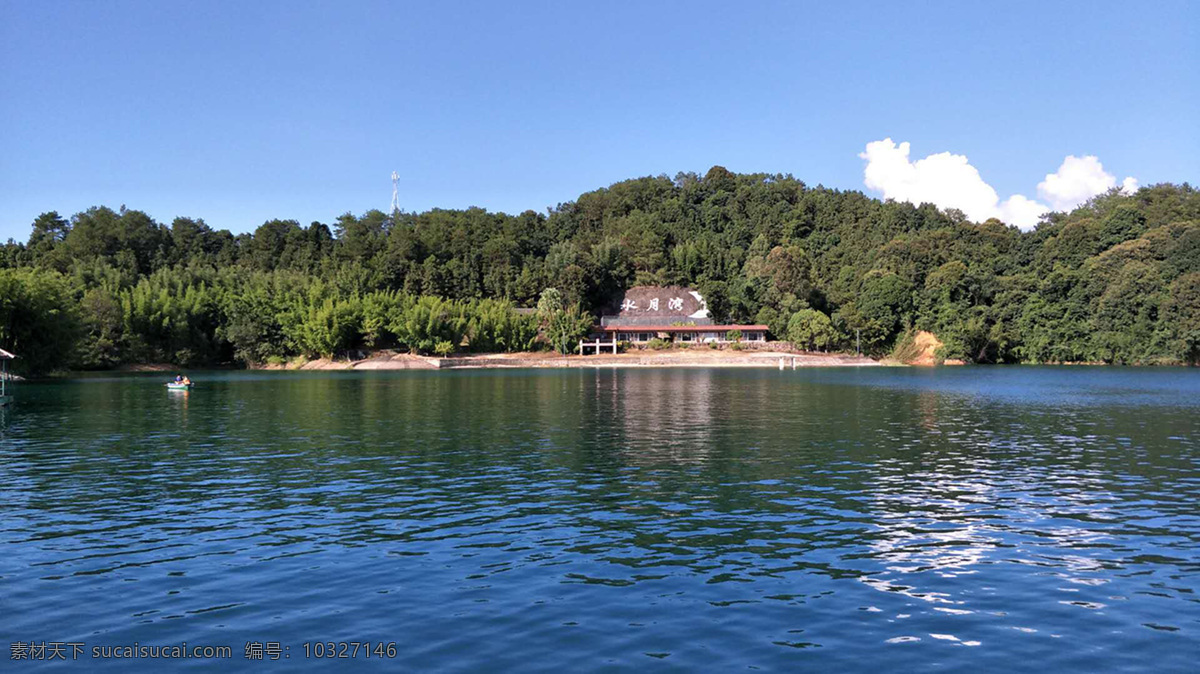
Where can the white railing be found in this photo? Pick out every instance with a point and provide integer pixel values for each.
(597, 345)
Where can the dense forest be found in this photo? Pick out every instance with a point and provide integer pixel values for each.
(1117, 280)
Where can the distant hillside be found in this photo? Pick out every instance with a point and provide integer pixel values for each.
(1117, 280)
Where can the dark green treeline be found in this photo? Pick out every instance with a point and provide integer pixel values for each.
(1117, 280)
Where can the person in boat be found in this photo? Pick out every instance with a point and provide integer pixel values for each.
(178, 379)
(187, 381)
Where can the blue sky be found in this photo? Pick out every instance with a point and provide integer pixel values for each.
(238, 112)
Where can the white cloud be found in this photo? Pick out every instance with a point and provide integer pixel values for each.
(1077, 180)
(1021, 211)
(949, 181)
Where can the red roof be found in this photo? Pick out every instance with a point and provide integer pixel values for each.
(682, 328)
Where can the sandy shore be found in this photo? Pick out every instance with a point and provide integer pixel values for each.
(387, 360)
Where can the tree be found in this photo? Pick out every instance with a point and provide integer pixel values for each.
(1181, 312)
(324, 327)
(790, 271)
(104, 343)
(495, 326)
(49, 230)
(428, 321)
(566, 328)
(126, 239)
(810, 329)
(269, 242)
(377, 310)
(550, 303)
(883, 309)
(38, 319)
(561, 327)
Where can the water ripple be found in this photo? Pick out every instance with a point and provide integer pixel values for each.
(594, 520)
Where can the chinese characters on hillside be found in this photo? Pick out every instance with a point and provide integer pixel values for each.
(673, 304)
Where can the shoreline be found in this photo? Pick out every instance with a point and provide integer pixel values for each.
(385, 360)
(672, 358)
(395, 360)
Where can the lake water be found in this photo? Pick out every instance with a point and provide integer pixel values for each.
(874, 519)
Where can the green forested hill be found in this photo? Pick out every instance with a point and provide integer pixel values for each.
(1117, 280)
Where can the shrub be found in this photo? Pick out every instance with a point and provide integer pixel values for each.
(377, 310)
(322, 327)
(734, 335)
(906, 349)
(494, 326)
(658, 344)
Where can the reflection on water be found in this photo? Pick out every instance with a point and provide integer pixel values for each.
(824, 519)
(674, 413)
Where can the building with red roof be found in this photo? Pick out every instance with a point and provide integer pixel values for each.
(671, 313)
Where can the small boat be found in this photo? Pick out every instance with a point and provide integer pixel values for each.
(179, 386)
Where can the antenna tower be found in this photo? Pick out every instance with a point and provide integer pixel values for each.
(395, 191)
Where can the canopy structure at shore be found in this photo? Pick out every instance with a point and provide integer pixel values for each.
(5, 380)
